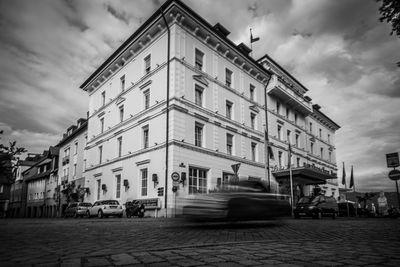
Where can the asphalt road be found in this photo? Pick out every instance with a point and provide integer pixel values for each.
(173, 242)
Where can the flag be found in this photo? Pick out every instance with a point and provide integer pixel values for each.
(344, 176)
(270, 151)
(289, 156)
(252, 39)
(351, 177)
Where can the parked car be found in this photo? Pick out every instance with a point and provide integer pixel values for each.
(316, 207)
(77, 209)
(105, 208)
(242, 200)
(134, 208)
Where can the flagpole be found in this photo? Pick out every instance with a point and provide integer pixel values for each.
(266, 139)
(345, 188)
(291, 178)
(251, 43)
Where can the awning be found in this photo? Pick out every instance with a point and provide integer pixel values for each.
(306, 175)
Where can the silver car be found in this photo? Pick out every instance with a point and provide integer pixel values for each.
(105, 208)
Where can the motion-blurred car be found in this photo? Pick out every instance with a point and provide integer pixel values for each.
(316, 207)
(134, 208)
(105, 208)
(77, 209)
(244, 200)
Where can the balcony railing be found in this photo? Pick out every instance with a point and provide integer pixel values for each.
(280, 91)
(65, 160)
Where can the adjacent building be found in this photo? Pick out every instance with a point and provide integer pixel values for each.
(18, 188)
(173, 108)
(39, 178)
(72, 163)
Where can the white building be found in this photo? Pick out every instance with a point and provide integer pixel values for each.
(215, 113)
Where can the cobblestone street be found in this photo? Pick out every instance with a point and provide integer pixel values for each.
(165, 242)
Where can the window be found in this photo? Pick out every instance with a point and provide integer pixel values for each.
(228, 77)
(253, 151)
(320, 133)
(280, 163)
(119, 140)
(121, 113)
(288, 136)
(329, 138)
(103, 98)
(297, 140)
(146, 95)
(253, 120)
(252, 89)
(330, 156)
(287, 113)
(298, 162)
(118, 187)
(310, 127)
(197, 180)
(122, 79)
(1, 189)
(66, 152)
(322, 152)
(198, 95)
(229, 143)
(312, 148)
(100, 154)
(74, 170)
(145, 136)
(98, 188)
(278, 107)
(279, 132)
(101, 125)
(84, 164)
(295, 118)
(147, 64)
(143, 175)
(198, 134)
(76, 148)
(199, 59)
(229, 109)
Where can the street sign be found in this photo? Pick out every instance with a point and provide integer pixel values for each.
(394, 175)
(392, 160)
(235, 168)
(175, 176)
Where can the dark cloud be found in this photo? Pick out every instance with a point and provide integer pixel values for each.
(118, 14)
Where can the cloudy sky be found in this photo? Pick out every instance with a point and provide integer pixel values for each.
(338, 49)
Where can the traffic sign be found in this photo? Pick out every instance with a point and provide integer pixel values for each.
(392, 160)
(235, 168)
(394, 175)
(175, 176)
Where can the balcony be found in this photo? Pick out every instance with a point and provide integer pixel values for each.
(289, 97)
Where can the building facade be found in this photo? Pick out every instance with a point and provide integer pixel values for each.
(39, 178)
(18, 188)
(71, 179)
(178, 104)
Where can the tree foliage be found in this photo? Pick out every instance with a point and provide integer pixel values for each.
(390, 13)
(9, 159)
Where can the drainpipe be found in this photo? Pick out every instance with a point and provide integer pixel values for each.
(167, 118)
(266, 138)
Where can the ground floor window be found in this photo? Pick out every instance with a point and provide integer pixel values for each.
(197, 180)
(143, 173)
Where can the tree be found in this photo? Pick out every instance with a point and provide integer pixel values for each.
(390, 12)
(9, 159)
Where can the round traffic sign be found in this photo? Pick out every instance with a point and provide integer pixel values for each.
(394, 175)
(175, 176)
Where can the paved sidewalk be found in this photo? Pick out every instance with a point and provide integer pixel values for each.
(170, 242)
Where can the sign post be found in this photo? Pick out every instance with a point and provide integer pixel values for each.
(392, 160)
